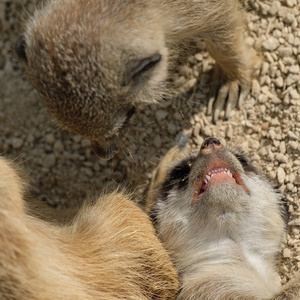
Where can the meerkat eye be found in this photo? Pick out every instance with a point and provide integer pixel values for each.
(138, 67)
(20, 47)
(245, 163)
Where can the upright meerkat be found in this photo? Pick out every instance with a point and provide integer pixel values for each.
(97, 62)
(109, 251)
(222, 222)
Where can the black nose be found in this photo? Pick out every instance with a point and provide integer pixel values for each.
(20, 47)
(210, 143)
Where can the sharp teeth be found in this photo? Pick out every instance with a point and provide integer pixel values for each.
(207, 177)
(205, 181)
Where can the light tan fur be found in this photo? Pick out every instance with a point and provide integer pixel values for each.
(109, 251)
(97, 62)
(225, 235)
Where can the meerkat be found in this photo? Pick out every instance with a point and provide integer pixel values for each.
(97, 63)
(109, 251)
(222, 222)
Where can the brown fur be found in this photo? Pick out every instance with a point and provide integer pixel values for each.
(109, 251)
(225, 236)
(97, 62)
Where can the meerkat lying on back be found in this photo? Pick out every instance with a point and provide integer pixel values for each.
(109, 251)
(95, 63)
(222, 222)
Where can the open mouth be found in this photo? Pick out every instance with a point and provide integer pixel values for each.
(218, 172)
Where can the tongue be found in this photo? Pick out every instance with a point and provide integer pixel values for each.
(221, 177)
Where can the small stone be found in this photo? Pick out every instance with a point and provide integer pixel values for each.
(295, 69)
(196, 129)
(292, 78)
(292, 135)
(172, 129)
(85, 143)
(280, 175)
(207, 131)
(286, 253)
(297, 180)
(49, 161)
(157, 141)
(274, 8)
(282, 147)
(58, 146)
(294, 145)
(294, 94)
(271, 44)
(161, 114)
(279, 82)
(199, 56)
(50, 139)
(285, 51)
(229, 132)
(17, 143)
(294, 222)
(177, 116)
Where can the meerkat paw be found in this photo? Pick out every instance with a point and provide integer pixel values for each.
(226, 95)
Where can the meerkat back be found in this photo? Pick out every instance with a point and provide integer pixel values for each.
(109, 251)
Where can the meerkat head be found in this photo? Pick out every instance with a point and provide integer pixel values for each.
(206, 197)
(93, 67)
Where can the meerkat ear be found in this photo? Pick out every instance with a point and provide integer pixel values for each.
(20, 47)
(137, 68)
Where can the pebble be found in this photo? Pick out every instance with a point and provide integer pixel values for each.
(157, 141)
(49, 161)
(172, 128)
(85, 143)
(292, 135)
(160, 114)
(58, 146)
(294, 145)
(279, 82)
(286, 253)
(274, 8)
(17, 143)
(280, 175)
(292, 78)
(271, 44)
(285, 51)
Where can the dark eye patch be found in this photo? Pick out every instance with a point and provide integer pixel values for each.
(178, 176)
(245, 163)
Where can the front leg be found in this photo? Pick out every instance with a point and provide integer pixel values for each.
(235, 62)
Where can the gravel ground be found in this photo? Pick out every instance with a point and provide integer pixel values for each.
(64, 169)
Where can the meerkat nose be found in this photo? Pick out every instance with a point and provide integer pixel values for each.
(211, 143)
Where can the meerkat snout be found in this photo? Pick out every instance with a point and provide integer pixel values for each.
(20, 47)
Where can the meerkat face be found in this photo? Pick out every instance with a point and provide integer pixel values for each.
(93, 68)
(199, 200)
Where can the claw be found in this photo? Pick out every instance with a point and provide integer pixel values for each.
(230, 95)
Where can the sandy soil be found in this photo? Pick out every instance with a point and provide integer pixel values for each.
(63, 168)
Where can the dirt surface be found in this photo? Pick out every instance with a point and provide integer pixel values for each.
(63, 168)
